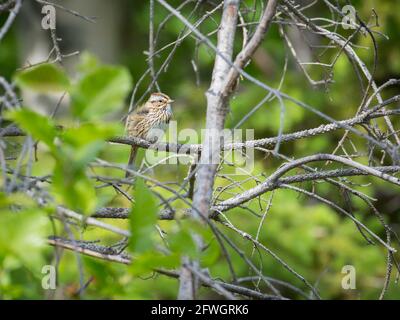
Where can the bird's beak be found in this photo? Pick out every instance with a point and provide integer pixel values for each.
(170, 101)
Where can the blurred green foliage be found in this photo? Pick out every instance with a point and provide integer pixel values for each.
(43, 78)
(312, 238)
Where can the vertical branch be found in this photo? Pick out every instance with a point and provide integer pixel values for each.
(151, 47)
(247, 52)
(222, 86)
(216, 109)
(188, 282)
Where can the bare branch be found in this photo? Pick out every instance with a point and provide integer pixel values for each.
(216, 110)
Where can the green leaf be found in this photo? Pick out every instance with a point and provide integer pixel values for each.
(80, 145)
(23, 236)
(101, 92)
(43, 78)
(182, 242)
(72, 188)
(87, 62)
(148, 261)
(143, 218)
(83, 144)
(88, 133)
(35, 124)
(80, 157)
(211, 255)
(18, 198)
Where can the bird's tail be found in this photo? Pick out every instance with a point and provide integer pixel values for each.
(131, 160)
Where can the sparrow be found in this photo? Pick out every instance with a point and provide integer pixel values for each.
(148, 121)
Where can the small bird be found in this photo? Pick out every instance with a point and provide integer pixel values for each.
(148, 121)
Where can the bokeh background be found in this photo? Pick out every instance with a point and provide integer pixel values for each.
(313, 238)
